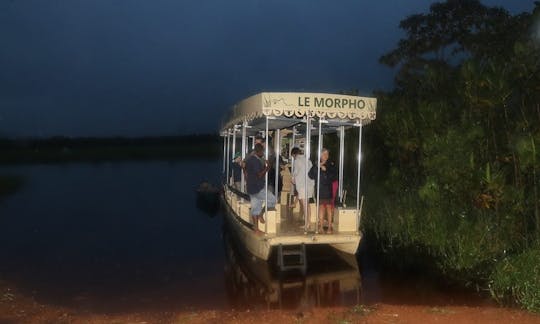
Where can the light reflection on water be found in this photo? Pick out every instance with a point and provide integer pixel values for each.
(128, 236)
(330, 280)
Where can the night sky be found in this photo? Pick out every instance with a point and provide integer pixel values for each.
(171, 67)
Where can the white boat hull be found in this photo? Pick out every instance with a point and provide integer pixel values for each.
(260, 245)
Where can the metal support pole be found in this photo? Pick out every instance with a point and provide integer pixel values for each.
(291, 147)
(233, 152)
(319, 149)
(224, 153)
(307, 152)
(277, 149)
(293, 140)
(243, 179)
(266, 177)
(341, 161)
(227, 157)
(358, 176)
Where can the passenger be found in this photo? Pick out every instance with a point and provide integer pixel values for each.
(271, 152)
(335, 187)
(328, 176)
(237, 171)
(272, 175)
(256, 168)
(271, 159)
(299, 181)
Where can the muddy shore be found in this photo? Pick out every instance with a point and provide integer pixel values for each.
(16, 307)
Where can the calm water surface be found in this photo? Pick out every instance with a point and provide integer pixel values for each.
(128, 236)
(104, 233)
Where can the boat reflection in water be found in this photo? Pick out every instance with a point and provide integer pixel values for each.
(331, 279)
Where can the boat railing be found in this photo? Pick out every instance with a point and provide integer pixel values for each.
(295, 118)
(278, 220)
(241, 207)
(239, 193)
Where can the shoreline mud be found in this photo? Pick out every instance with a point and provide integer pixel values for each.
(18, 308)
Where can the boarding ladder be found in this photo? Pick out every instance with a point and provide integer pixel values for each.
(292, 257)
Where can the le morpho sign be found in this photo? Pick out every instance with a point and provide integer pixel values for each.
(302, 104)
(319, 104)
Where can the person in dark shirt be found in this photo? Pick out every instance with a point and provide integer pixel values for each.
(328, 173)
(256, 167)
(237, 171)
(271, 159)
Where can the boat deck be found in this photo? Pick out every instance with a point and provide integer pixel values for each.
(292, 225)
(289, 230)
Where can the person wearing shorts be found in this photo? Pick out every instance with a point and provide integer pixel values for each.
(256, 168)
(328, 174)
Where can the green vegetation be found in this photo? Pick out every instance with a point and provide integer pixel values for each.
(351, 315)
(63, 149)
(452, 163)
(517, 279)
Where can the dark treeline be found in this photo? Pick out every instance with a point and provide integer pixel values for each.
(63, 141)
(67, 149)
(452, 168)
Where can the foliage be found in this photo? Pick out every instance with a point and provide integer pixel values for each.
(456, 142)
(517, 279)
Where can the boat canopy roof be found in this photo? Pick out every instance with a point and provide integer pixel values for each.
(287, 108)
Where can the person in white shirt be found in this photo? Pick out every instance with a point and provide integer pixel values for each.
(304, 189)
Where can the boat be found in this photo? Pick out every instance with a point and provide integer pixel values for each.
(295, 119)
(332, 280)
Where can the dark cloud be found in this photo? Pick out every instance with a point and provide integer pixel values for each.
(86, 68)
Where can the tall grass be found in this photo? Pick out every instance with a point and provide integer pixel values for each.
(516, 279)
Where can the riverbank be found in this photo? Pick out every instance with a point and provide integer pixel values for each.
(65, 149)
(18, 308)
(458, 161)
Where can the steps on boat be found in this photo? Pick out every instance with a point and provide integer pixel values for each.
(292, 257)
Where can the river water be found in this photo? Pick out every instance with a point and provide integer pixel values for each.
(129, 237)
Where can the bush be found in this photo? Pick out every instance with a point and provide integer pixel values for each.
(516, 279)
